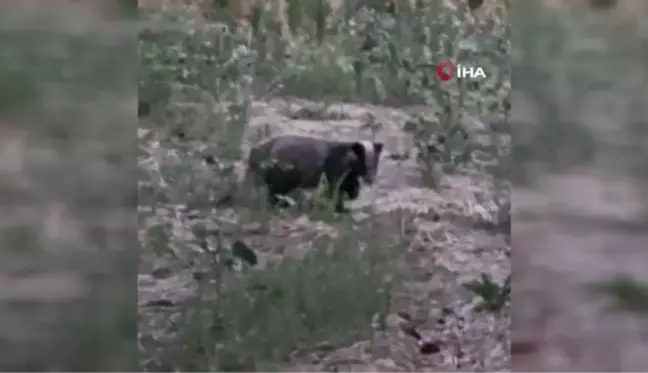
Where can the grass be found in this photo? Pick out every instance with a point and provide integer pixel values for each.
(625, 293)
(331, 296)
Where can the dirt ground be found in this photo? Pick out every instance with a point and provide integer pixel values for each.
(445, 254)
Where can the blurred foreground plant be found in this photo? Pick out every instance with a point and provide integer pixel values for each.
(67, 189)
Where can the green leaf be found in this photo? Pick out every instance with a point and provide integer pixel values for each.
(159, 239)
(626, 293)
(494, 296)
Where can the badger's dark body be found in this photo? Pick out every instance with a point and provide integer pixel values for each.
(290, 162)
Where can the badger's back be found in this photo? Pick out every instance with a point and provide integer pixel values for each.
(304, 155)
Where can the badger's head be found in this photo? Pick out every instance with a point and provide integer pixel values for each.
(364, 157)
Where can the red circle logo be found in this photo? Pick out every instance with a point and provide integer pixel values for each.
(446, 70)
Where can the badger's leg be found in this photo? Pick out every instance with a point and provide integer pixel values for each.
(280, 182)
(350, 188)
(339, 206)
(273, 198)
(274, 192)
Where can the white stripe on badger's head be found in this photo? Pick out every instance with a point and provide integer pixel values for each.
(372, 151)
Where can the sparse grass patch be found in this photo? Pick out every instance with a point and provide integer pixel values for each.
(625, 293)
(330, 295)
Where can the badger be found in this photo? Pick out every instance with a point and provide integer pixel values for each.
(289, 162)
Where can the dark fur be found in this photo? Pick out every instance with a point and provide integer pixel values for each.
(290, 162)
